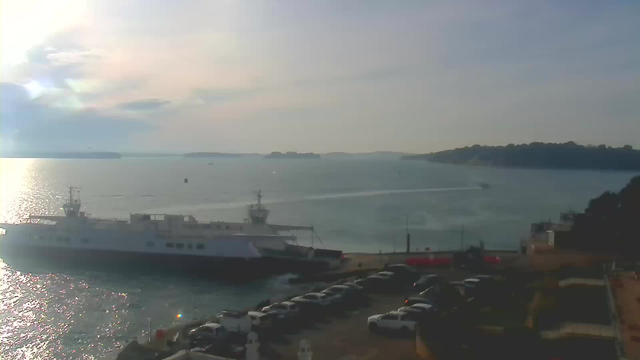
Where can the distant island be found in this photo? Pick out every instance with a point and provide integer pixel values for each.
(568, 155)
(216, 155)
(387, 155)
(147, 155)
(62, 155)
(292, 155)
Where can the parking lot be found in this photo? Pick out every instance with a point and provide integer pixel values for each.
(342, 332)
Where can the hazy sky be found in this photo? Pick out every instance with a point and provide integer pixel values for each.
(251, 76)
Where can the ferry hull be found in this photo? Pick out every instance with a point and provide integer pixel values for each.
(220, 268)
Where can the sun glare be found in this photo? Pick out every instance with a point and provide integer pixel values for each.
(26, 24)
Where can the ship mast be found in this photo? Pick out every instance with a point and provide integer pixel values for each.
(258, 213)
(72, 207)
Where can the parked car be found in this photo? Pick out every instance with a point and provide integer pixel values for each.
(353, 286)
(334, 297)
(411, 310)
(207, 333)
(235, 321)
(341, 292)
(427, 281)
(421, 307)
(445, 297)
(365, 284)
(385, 274)
(420, 300)
(383, 283)
(318, 299)
(393, 320)
(404, 272)
(261, 320)
(482, 286)
(286, 309)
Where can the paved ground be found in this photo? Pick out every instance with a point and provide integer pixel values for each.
(345, 336)
(629, 313)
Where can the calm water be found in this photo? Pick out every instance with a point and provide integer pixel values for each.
(355, 205)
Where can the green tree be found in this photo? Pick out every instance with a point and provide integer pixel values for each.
(611, 222)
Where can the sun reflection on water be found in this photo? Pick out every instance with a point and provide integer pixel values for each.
(16, 188)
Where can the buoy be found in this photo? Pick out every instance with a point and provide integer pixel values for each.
(186, 180)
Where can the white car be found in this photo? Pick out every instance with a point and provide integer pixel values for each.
(286, 309)
(312, 299)
(260, 319)
(208, 332)
(393, 320)
(235, 321)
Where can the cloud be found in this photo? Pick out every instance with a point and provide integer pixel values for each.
(144, 105)
(36, 125)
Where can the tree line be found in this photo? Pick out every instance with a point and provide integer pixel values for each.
(611, 222)
(567, 155)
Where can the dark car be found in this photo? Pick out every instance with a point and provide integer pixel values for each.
(444, 297)
(482, 286)
(357, 288)
(207, 334)
(404, 272)
(427, 281)
(378, 284)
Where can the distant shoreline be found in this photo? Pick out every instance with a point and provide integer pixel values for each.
(199, 155)
(62, 155)
(292, 155)
(567, 156)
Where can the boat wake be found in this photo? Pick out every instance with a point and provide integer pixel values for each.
(233, 205)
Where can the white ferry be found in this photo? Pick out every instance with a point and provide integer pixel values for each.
(173, 242)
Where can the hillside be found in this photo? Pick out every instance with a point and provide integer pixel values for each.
(540, 155)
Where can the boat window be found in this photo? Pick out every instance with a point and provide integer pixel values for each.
(206, 226)
(179, 246)
(218, 227)
(85, 241)
(189, 246)
(200, 246)
(227, 227)
(169, 245)
(150, 244)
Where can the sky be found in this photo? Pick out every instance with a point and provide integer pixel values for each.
(316, 76)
